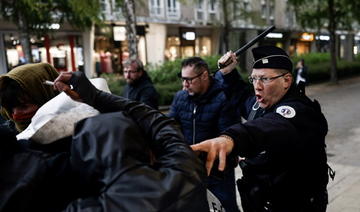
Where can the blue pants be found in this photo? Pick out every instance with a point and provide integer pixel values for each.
(223, 188)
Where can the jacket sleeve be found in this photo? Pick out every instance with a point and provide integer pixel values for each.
(173, 113)
(235, 89)
(151, 121)
(113, 162)
(227, 116)
(272, 133)
(175, 161)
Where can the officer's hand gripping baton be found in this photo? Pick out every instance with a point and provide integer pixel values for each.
(248, 45)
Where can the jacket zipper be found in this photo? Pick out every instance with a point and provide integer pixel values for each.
(194, 128)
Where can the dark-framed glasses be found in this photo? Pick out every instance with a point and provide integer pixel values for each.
(189, 79)
(264, 80)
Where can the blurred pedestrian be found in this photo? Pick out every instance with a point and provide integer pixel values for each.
(202, 110)
(282, 144)
(139, 85)
(301, 71)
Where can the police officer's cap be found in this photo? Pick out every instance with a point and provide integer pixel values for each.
(271, 57)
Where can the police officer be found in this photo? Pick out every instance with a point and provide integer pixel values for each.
(282, 144)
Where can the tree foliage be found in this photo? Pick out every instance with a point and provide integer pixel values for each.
(37, 16)
(332, 15)
(81, 13)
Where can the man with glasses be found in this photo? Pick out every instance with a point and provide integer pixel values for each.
(202, 110)
(282, 144)
(139, 85)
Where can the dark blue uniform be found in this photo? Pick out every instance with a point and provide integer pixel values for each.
(285, 166)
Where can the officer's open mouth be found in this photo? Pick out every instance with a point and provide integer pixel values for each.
(258, 98)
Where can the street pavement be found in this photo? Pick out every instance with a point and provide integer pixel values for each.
(341, 105)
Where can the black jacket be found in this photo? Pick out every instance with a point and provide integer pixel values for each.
(205, 116)
(143, 90)
(132, 160)
(286, 164)
(120, 169)
(33, 180)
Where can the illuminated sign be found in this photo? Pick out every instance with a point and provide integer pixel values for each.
(323, 37)
(119, 33)
(274, 35)
(189, 35)
(307, 36)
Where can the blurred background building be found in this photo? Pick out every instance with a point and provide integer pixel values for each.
(170, 29)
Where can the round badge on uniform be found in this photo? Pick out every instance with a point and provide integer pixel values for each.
(286, 111)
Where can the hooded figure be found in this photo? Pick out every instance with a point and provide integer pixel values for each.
(23, 88)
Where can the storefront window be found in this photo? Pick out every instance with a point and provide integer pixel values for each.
(111, 48)
(64, 51)
(356, 45)
(302, 47)
(187, 51)
(203, 46)
(103, 55)
(200, 47)
(172, 48)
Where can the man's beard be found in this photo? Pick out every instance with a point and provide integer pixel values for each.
(128, 81)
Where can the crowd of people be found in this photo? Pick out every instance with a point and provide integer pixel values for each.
(148, 161)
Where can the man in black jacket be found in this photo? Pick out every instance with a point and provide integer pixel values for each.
(115, 162)
(282, 143)
(139, 85)
(129, 158)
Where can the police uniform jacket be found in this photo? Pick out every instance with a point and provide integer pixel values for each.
(285, 166)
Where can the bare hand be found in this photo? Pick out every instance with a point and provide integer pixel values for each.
(216, 147)
(228, 56)
(61, 83)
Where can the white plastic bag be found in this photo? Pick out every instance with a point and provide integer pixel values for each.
(56, 118)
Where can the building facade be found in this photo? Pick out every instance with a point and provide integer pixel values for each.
(64, 48)
(168, 30)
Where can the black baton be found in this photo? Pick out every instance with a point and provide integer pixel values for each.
(248, 45)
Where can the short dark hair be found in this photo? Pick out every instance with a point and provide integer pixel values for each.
(196, 62)
(11, 94)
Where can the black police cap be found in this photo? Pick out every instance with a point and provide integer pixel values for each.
(271, 57)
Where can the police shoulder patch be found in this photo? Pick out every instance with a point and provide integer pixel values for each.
(286, 111)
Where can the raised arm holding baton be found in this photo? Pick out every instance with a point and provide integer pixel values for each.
(227, 60)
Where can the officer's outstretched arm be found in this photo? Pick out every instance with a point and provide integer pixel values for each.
(218, 147)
